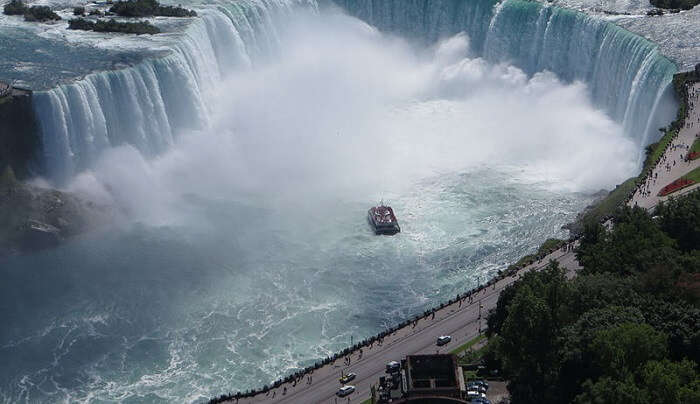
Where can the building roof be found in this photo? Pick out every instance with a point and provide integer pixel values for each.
(432, 373)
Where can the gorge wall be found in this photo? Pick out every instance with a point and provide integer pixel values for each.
(19, 135)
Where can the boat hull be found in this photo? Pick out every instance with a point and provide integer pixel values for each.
(388, 229)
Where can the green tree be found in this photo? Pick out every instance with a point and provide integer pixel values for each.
(611, 391)
(577, 364)
(669, 382)
(527, 344)
(635, 244)
(619, 351)
(680, 219)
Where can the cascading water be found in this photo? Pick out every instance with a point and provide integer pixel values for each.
(245, 159)
(626, 74)
(147, 104)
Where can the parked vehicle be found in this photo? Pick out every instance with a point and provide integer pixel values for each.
(481, 382)
(476, 386)
(345, 391)
(393, 366)
(473, 394)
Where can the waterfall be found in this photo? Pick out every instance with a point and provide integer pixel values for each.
(146, 105)
(626, 74)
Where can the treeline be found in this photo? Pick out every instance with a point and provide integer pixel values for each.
(34, 13)
(148, 8)
(111, 25)
(625, 330)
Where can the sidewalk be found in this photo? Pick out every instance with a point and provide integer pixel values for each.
(666, 171)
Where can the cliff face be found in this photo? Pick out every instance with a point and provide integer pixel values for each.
(19, 135)
(32, 218)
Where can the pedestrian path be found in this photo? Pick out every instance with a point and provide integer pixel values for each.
(673, 164)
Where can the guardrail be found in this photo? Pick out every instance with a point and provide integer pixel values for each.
(366, 342)
(502, 274)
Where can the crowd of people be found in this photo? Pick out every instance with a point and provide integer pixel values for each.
(681, 149)
(346, 354)
(643, 188)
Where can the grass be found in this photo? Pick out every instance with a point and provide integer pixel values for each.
(470, 375)
(611, 202)
(368, 401)
(695, 148)
(467, 345)
(694, 175)
(618, 196)
(657, 149)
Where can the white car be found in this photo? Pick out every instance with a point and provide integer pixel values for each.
(475, 394)
(345, 391)
(443, 340)
(347, 378)
(392, 367)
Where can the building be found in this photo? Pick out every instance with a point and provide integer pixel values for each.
(433, 375)
(424, 379)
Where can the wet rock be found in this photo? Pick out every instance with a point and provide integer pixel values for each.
(34, 218)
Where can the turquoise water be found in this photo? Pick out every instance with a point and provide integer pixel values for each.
(253, 289)
(251, 153)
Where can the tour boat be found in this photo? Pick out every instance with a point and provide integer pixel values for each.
(383, 220)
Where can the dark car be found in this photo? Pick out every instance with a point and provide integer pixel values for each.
(392, 367)
(481, 382)
(477, 387)
(443, 340)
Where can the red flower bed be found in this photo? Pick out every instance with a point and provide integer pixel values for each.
(675, 186)
(693, 155)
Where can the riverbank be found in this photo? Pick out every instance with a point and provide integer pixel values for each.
(409, 338)
(630, 191)
(464, 318)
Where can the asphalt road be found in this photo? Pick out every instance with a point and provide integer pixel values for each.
(461, 321)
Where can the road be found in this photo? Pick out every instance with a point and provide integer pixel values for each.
(461, 321)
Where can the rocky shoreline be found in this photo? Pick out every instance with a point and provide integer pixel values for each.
(34, 218)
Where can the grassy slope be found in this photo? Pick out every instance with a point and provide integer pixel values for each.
(695, 148)
(619, 195)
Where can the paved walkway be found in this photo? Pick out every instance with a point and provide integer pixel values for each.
(465, 320)
(671, 166)
(460, 320)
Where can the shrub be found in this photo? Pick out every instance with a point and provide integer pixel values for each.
(40, 13)
(79, 11)
(141, 27)
(148, 8)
